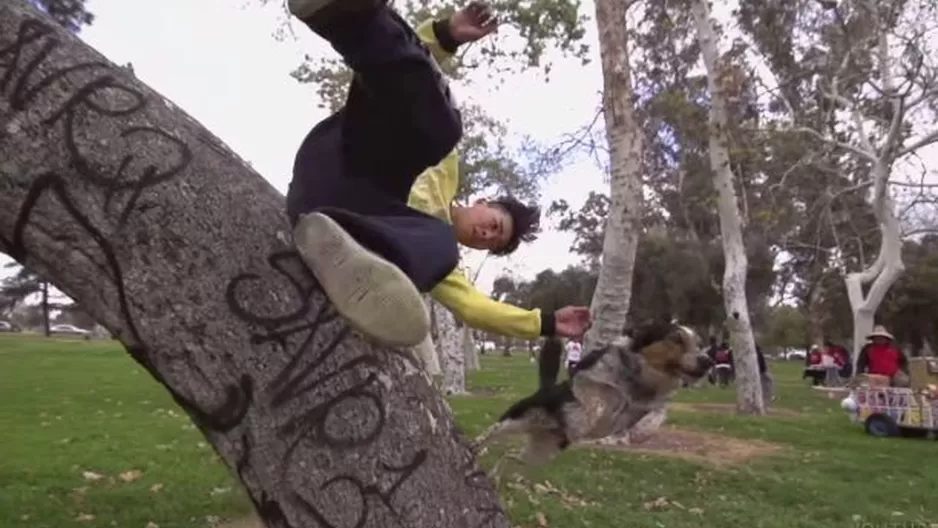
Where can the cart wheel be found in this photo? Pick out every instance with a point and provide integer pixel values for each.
(881, 426)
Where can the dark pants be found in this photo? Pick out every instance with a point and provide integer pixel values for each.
(359, 164)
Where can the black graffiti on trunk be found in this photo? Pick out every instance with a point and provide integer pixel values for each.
(21, 63)
(315, 365)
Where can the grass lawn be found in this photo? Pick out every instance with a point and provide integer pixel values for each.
(89, 439)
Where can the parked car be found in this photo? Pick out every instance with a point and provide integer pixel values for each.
(67, 329)
(795, 355)
(6, 326)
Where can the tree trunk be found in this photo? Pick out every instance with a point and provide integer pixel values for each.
(46, 325)
(610, 305)
(470, 351)
(449, 348)
(748, 384)
(162, 234)
(613, 292)
(427, 350)
(884, 272)
(816, 315)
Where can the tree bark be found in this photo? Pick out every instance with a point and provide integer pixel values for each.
(748, 384)
(162, 234)
(610, 304)
(448, 341)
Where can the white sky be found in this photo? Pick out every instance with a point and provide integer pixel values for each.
(218, 60)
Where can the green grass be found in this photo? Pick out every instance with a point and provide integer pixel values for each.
(72, 406)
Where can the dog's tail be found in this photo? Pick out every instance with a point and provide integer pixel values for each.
(549, 362)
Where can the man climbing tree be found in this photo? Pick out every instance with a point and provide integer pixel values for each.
(372, 241)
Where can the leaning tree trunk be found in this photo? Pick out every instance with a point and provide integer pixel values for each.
(613, 293)
(610, 305)
(748, 384)
(163, 235)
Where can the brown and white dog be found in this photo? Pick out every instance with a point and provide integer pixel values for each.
(609, 390)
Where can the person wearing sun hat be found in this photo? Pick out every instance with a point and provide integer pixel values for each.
(882, 357)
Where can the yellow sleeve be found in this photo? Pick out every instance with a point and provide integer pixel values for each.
(433, 191)
(425, 32)
(477, 310)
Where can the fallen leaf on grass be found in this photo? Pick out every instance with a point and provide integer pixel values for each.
(132, 475)
(152, 525)
(541, 520)
(219, 491)
(91, 476)
(696, 511)
(156, 488)
(84, 517)
(24, 517)
(658, 504)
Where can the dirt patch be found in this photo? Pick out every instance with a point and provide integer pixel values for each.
(247, 522)
(726, 408)
(702, 447)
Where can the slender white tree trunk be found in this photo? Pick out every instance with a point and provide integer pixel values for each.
(610, 305)
(448, 339)
(748, 384)
(470, 350)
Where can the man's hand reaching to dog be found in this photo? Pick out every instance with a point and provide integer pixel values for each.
(473, 22)
(572, 321)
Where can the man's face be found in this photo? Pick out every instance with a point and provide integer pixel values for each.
(484, 226)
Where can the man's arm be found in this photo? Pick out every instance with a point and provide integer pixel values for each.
(479, 311)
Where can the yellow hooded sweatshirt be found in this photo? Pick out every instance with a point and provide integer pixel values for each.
(433, 193)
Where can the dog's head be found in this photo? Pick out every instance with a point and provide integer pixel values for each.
(671, 349)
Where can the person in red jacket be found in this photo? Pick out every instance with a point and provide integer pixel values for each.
(881, 356)
(812, 364)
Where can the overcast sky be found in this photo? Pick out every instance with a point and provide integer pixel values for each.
(218, 60)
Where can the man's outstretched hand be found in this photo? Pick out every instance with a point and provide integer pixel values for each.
(572, 321)
(473, 22)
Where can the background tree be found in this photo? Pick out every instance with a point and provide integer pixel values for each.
(721, 83)
(17, 288)
(858, 78)
(70, 14)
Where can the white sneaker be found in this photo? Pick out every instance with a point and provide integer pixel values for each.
(374, 295)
